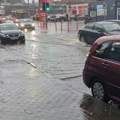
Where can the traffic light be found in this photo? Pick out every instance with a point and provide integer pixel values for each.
(46, 7)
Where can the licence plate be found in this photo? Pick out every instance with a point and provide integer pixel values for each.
(14, 38)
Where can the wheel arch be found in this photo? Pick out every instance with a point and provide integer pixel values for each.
(93, 79)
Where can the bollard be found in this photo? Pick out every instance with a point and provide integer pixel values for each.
(77, 25)
(61, 26)
(68, 26)
(55, 27)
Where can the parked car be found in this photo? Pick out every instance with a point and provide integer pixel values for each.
(26, 23)
(61, 17)
(10, 34)
(94, 30)
(57, 17)
(9, 21)
(16, 21)
(78, 17)
(51, 18)
(102, 69)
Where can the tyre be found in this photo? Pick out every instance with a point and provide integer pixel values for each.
(99, 92)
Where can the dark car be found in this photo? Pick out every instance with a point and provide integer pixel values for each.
(26, 23)
(102, 69)
(10, 34)
(94, 30)
(116, 21)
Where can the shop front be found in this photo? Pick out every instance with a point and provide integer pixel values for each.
(94, 10)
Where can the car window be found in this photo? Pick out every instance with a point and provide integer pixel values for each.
(8, 27)
(109, 51)
(90, 26)
(114, 52)
(111, 26)
(102, 50)
(99, 28)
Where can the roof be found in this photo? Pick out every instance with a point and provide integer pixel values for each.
(108, 38)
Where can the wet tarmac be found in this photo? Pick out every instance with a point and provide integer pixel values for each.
(42, 80)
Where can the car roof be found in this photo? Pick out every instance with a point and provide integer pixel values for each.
(104, 22)
(103, 39)
(108, 38)
(7, 24)
(114, 20)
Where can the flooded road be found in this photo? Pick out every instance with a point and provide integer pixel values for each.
(42, 80)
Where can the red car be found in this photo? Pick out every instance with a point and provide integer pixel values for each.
(102, 69)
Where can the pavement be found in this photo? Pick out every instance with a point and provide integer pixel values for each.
(43, 81)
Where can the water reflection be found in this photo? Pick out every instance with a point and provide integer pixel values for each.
(97, 110)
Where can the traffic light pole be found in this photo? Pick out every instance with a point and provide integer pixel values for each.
(46, 22)
(44, 7)
(39, 4)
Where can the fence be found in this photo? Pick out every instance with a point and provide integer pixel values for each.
(69, 26)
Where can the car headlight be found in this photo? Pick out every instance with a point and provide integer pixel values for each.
(21, 34)
(7, 36)
(17, 24)
(4, 35)
(33, 24)
(22, 25)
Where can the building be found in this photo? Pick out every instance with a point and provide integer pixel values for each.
(16, 8)
(113, 9)
(12, 1)
(96, 9)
